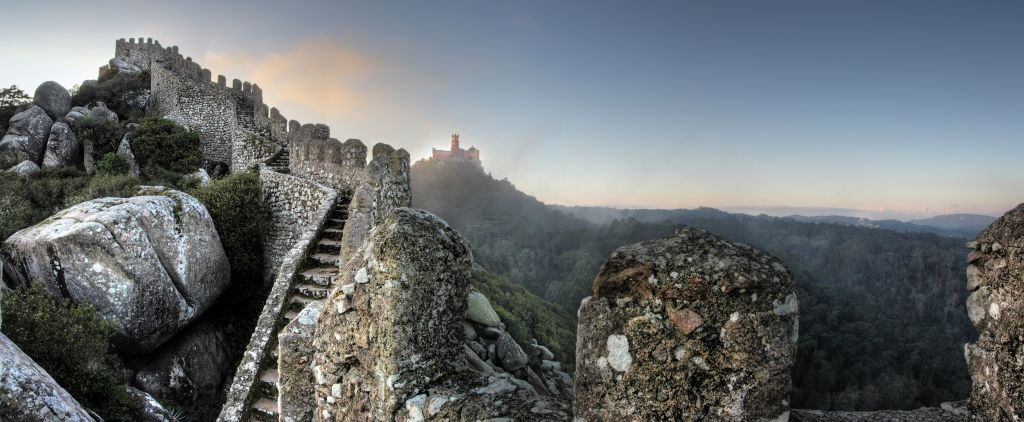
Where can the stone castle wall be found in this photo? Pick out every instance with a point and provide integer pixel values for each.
(296, 204)
(339, 165)
(249, 148)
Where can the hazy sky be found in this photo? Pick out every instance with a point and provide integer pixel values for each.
(915, 107)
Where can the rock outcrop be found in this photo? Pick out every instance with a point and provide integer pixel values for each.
(150, 264)
(124, 150)
(29, 394)
(389, 344)
(995, 280)
(26, 136)
(62, 147)
(53, 98)
(689, 327)
(190, 368)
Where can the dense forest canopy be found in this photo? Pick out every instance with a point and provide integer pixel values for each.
(883, 320)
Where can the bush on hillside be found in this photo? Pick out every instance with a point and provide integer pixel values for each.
(163, 143)
(527, 316)
(104, 134)
(25, 201)
(71, 342)
(119, 91)
(236, 205)
(112, 164)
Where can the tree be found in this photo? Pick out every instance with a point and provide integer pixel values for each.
(13, 97)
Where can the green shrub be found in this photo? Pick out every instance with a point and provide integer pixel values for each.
(116, 90)
(161, 142)
(236, 205)
(105, 186)
(104, 134)
(71, 342)
(25, 201)
(112, 164)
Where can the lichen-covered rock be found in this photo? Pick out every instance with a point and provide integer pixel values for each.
(150, 264)
(689, 327)
(388, 178)
(190, 368)
(404, 358)
(295, 354)
(53, 98)
(101, 112)
(145, 408)
(511, 356)
(25, 168)
(29, 394)
(124, 150)
(62, 147)
(123, 66)
(26, 136)
(995, 280)
(480, 310)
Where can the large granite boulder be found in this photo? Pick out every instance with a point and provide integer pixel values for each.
(689, 327)
(29, 394)
(480, 310)
(53, 98)
(62, 148)
(389, 343)
(26, 136)
(190, 368)
(150, 264)
(995, 280)
(99, 111)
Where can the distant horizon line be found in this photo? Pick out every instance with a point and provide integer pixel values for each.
(778, 211)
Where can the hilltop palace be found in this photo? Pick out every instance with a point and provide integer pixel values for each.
(456, 153)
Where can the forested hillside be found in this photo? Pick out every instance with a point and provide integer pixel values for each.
(882, 313)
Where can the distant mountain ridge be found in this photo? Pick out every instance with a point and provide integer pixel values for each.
(965, 226)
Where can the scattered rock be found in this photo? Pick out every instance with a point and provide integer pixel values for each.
(480, 310)
(26, 136)
(663, 313)
(25, 168)
(53, 98)
(150, 264)
(28, 393)
(62, 148)
(512, 356)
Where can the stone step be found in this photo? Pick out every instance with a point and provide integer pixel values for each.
(331, 233)
(337, 222)
(270, 375)
(328, 246)
(320, 276)
(267, 389)
(265, 409)
(289, 315)
(325, 259)
(297, 303)
(313, 291)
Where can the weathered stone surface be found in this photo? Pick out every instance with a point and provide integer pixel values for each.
(88, 156)
(25, 168)
(145, 408)
(101, 112)
(480, 310)
(123, 66)
(150, 264)
(124, 150)
(189, 368)
(949, 412)
(403, 358)
(28, 393)
(26, 136)
(995, 277)
(360, 221)
(511, 356)
(53, 98)
(295, 355)
(62, 147)
(689, 327)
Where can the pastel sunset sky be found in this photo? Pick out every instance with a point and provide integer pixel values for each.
(912, 107)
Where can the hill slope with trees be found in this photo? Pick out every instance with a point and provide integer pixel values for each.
(883, 319)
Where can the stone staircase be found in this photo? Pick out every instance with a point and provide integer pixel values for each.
(316, 280)
(279, 162)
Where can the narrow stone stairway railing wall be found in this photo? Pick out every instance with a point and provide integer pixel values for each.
(300, 208)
